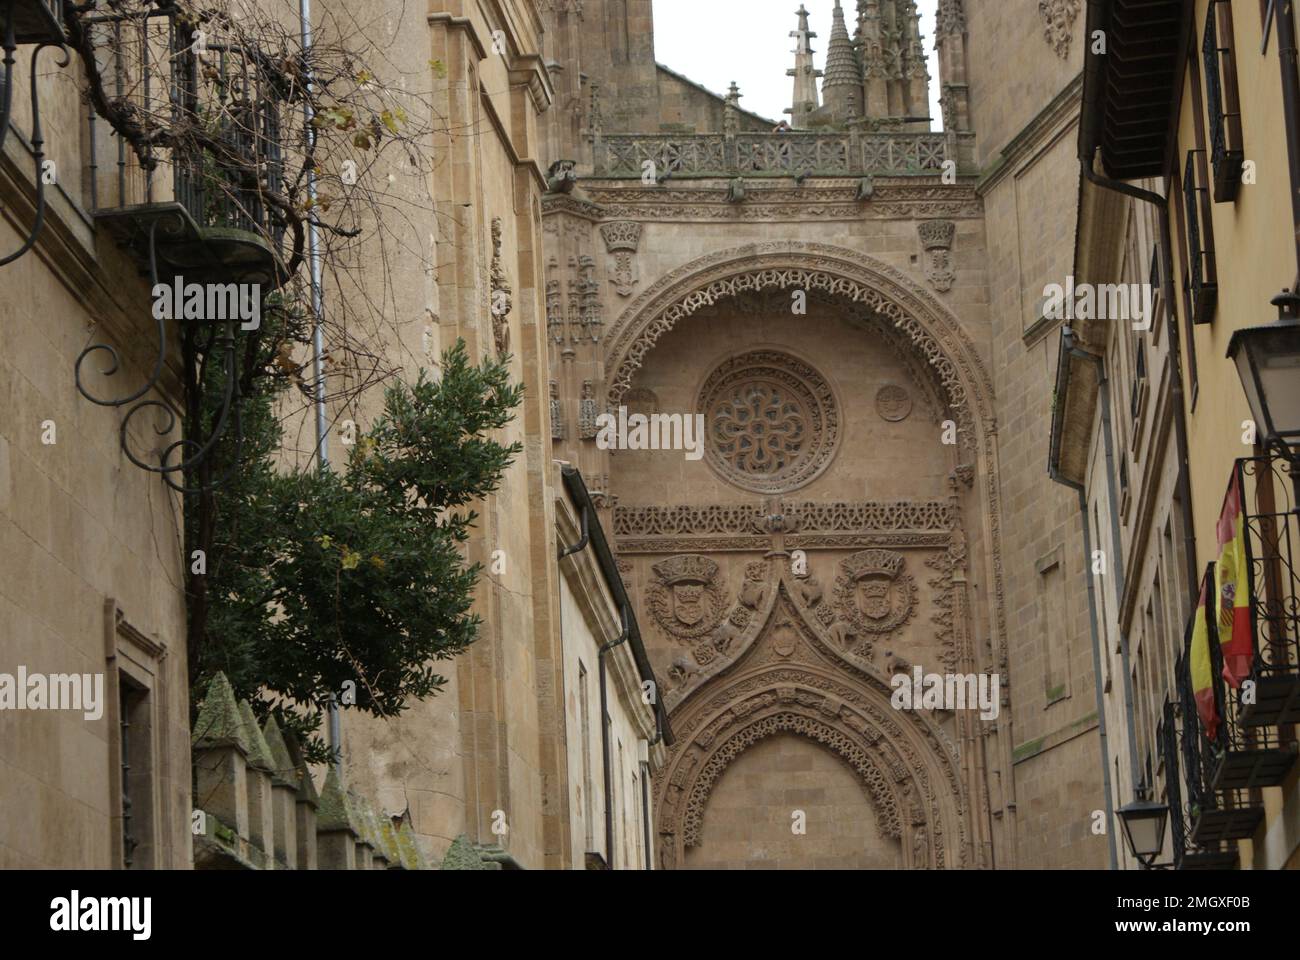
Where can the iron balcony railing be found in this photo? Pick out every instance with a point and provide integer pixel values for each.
(773, 154)
(1216, 813)
(1226, 155)
(1273, 553)
(222, 105)
(1202, 274)
(1188, 855)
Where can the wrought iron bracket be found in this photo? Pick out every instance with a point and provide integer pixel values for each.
(27, 22)
(192, 452)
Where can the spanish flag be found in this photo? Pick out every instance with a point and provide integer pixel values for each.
(1232, 588)
(1202, 672)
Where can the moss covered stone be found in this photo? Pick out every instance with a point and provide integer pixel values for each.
(462, 856)
(219, 723)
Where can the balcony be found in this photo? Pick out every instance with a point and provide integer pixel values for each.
(775, 154)
(1187, 855)
(197, 203)
(1273, 551)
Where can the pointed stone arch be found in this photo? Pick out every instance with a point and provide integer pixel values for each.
(908, 769)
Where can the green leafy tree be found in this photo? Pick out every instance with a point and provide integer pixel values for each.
(349, 584)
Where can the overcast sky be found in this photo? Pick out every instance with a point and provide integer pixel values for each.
(717, 41)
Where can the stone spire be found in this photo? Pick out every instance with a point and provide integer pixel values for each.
(843, 85)
(805, 73)
(917, 76)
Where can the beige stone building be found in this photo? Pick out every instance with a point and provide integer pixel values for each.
(787, 395)
(1153, 426)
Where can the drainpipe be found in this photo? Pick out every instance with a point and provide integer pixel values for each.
(605, 745)
(1094, 627)
(317, 334)
(1287, 57)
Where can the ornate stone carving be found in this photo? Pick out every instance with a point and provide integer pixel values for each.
(809, 518)
(622, 239)
(554, 304)
(557, 413)
(873, 594)
(951, 18)
(893, 403)
(588, 413)
(883, 799)
(1058, 23)
(773, 421)
(936, 239)
(932, 331)
(687, 599)
(501, 303)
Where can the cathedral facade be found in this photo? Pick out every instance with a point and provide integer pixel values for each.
(847, 298)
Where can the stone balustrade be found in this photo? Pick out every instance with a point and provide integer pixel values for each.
(852, 153)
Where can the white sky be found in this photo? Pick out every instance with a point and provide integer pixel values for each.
(717, 41)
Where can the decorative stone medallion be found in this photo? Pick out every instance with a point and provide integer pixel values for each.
(893, 403)
(873, 593)
(687, 600)
(773, 422)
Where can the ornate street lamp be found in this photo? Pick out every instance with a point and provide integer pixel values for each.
(24, 22)
(1144, 829)
(1268, 362)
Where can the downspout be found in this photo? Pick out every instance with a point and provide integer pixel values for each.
(318, 313)
(1117, 563)
(1287, 56)
(604, 734)
(1054, 472)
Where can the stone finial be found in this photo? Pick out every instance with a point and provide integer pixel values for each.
(282, 767)
(411, 856)
(259, 752)
(843, 83)
(462, 856)
(307, 792)
(334, 811)
(219, 723)
(388, 841)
